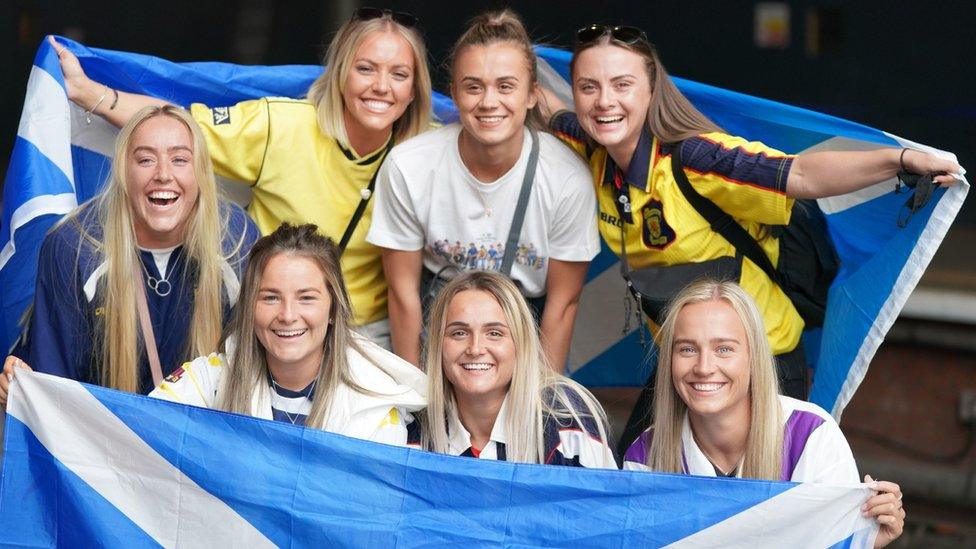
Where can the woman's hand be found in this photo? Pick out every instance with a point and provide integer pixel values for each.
(8, 375)
(81, 89)
(886, 508)
(919, 162)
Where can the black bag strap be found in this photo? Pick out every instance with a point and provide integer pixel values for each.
(365, 195)
(523, 202)
(720, 221)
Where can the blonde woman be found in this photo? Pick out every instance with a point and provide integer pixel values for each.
(717, 412)
(492, 393)
(160, 229)
(461, 183)
(290, 353)
(312, 160)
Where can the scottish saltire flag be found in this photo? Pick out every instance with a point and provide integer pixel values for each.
(59, 161)
(89, 466)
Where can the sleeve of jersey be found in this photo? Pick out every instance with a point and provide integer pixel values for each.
(566, 127)
(237, 137)
(395, 224)
(60, 338)
(241, 235)
(746, 179)
(827, 458)
(574, 235)
(193, 383)
(393, 428)
(635, 458)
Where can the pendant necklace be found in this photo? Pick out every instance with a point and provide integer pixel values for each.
(160, 286)
(311, 390)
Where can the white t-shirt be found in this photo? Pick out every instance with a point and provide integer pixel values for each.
(427, 199)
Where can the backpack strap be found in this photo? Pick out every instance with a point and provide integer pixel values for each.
(720, 221)
(523, 201)
(365, 194)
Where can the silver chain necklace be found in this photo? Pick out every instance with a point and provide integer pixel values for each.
(160, 286)
(311, 390)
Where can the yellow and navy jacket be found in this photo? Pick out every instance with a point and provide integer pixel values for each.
(69, 297)
(746, 179)
(299, 175)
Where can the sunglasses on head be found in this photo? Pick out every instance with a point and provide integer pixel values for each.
(403, 18)
(623, 34)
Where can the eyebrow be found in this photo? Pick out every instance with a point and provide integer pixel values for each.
(153, 149)
(371, 62)
(614, 79)
(479, 80)
(713, 340)
(463, 324)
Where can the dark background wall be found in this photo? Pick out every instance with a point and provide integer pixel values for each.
(900, 66)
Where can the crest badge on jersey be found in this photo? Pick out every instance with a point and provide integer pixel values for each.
(656, 233)
(221, 115)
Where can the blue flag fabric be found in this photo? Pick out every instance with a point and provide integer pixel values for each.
(59, 161)
(86, 465)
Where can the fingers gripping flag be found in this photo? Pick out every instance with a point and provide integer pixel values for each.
(59, 161)
(86, 465)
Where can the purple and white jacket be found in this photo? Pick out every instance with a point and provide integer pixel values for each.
(814, 449)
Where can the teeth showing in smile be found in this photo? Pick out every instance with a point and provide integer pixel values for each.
(476, 366)
(609, 119)
(380, 106)
(163, 198)
(706, 387)
(490, 119)
(289, 333)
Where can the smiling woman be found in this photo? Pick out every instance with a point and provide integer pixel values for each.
(289, 353)
(312, 160)
(158, 234)
(717, 411)
(492, 393)
(447, 200)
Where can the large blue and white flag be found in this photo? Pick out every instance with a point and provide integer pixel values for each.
(90, 466)
(59, 160)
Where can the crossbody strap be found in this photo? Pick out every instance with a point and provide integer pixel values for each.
(520, 207)
(365, 195)
(720, 221)
(148, 337)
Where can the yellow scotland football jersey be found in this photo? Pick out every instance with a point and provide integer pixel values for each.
(746, 179)
(299, 175)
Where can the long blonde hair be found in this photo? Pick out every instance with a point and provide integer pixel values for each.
(536, 391)
(503, 26)
(247, 364)
(118, 342)
(764, 445)
(326, 92)
(670, 116)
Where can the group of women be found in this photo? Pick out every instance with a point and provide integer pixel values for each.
(477, 247)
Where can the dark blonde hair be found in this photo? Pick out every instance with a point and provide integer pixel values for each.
(503, 26)
(536, 390)
(670, 116)
(764, 443)
(248, 367)
(326, 92)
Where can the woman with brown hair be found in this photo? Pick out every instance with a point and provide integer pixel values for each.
(313, 160)
(631, 122)
(494, 182)
(290, 353)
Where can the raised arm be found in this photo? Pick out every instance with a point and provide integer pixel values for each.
(98, 98)
(403, 270)
(830, 173)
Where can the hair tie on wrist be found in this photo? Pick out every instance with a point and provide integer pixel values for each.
(901, 159)
(115, 101)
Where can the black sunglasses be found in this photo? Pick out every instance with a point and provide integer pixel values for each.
(624, 34)
(408, 20)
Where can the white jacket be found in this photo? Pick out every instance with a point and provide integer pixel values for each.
(383, 417)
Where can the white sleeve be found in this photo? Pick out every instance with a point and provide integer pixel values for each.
(574, 235)
(393, 428)
(827, 458)
(193, 383)
(395, 224)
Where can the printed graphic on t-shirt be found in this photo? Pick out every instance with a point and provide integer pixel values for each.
(485, 254)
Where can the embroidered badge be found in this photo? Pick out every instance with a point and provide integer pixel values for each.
(221, 115)
(656, 231)
(176, 375)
